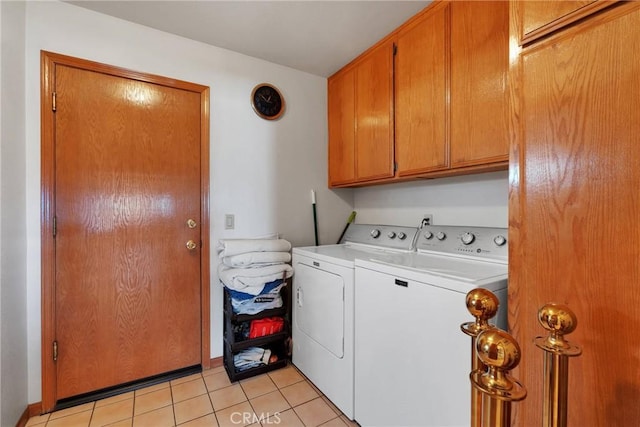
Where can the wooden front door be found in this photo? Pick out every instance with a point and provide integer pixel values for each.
(126, 201)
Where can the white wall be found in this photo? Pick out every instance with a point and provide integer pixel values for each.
(261, 171)
(479, 200)
(13, 296)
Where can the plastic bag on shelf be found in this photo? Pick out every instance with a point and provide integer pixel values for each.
(253, 357)
(271, 298)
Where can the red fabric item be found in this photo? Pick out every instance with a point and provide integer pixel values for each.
(266, 326)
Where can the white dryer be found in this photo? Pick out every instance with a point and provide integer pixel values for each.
(323, 305)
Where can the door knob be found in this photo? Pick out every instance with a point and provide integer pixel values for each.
(191, 245)
(191, 223)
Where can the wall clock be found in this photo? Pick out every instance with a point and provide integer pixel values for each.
(267, 101)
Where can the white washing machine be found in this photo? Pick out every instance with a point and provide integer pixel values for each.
(323, 305)
(412, 362)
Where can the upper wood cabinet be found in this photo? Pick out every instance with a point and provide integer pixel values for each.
(374, 114)
(444, 93)
(342, 126)
(479, 95)
(539, 18)
(361, 119)
(421, 66)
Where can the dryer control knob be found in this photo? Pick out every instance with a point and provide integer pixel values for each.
(441, 235)
(428, 235)
(499, 240)
(375, 233)
(468, 238)
(391, 235)
(402, 236)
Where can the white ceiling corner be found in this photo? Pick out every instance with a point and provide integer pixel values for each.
(318, 37)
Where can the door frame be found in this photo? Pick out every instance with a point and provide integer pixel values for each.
(48, 62)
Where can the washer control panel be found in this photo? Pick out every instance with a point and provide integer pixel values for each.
(385, 236)
(470, 242)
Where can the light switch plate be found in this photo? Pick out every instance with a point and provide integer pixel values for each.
(229, 221)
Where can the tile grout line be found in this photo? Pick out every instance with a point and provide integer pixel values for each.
(93, 407)
(210, 401)
(173, 410)
(250, 404)
(246, 396)
(133, 407)
(255, 397)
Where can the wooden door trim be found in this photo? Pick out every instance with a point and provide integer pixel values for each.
(48, 61)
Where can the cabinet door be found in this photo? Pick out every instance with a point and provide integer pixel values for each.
(341, 116)
(374, 114)
(479, 96)
(420, 94)
(538, 18)
(574, 213)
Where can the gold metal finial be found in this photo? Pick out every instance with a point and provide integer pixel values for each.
(500, 353)
(559, 320)
(483, 305)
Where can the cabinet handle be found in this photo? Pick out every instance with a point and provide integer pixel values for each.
(403, 283)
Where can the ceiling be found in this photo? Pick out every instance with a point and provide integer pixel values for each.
(318, 37)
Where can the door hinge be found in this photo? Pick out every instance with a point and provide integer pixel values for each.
(55, 226)
(55, 351)
(53, 101)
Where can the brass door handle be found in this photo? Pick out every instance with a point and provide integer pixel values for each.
(191, 223)
(191, 245)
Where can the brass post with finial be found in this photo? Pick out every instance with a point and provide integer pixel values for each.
(483, 305)
(559, 320)
(500, 353)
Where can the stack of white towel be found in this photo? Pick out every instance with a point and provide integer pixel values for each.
(248, 264)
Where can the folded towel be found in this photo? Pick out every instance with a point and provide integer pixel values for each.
(252, 280)
(230, 247)
(256, 259)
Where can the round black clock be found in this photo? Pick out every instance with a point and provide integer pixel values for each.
(267, 101)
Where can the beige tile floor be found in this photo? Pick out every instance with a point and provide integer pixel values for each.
(279, 398)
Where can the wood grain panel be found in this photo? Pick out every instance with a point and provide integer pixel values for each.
(374, 114)
(420, 94)
(539, 18)
(574, 234)
(341, 117)
(479, 96)
(536, 14)
(127, 179)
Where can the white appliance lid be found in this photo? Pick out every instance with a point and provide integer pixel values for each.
(439, 270)
(346, 254)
